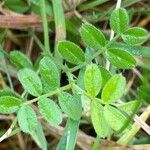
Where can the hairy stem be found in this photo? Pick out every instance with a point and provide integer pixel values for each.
(50, 93)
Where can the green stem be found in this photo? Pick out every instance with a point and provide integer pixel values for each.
(50, 93)
(96, 143)
(4, 52)
(77, 67)
(126, 138)
(113, 40)
(45, 26)
(8, 74)
(36, 39)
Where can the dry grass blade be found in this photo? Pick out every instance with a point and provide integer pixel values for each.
(143, 125)
(20, 22)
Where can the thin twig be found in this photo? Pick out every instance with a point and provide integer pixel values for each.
(139, 121)
(4, 117)
(135, 128)
(9, 131)
(78, 15)
(30, 46)
(142, 124)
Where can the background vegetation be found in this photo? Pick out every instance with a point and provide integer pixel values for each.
(23, 27)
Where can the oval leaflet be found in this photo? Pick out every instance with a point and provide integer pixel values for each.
(9, 104)
(113, 89)
(27, 119)
(92, 37)
(50, 111)
(71, 52)
(30, 81)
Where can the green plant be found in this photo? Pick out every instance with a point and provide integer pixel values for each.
(99, 86)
